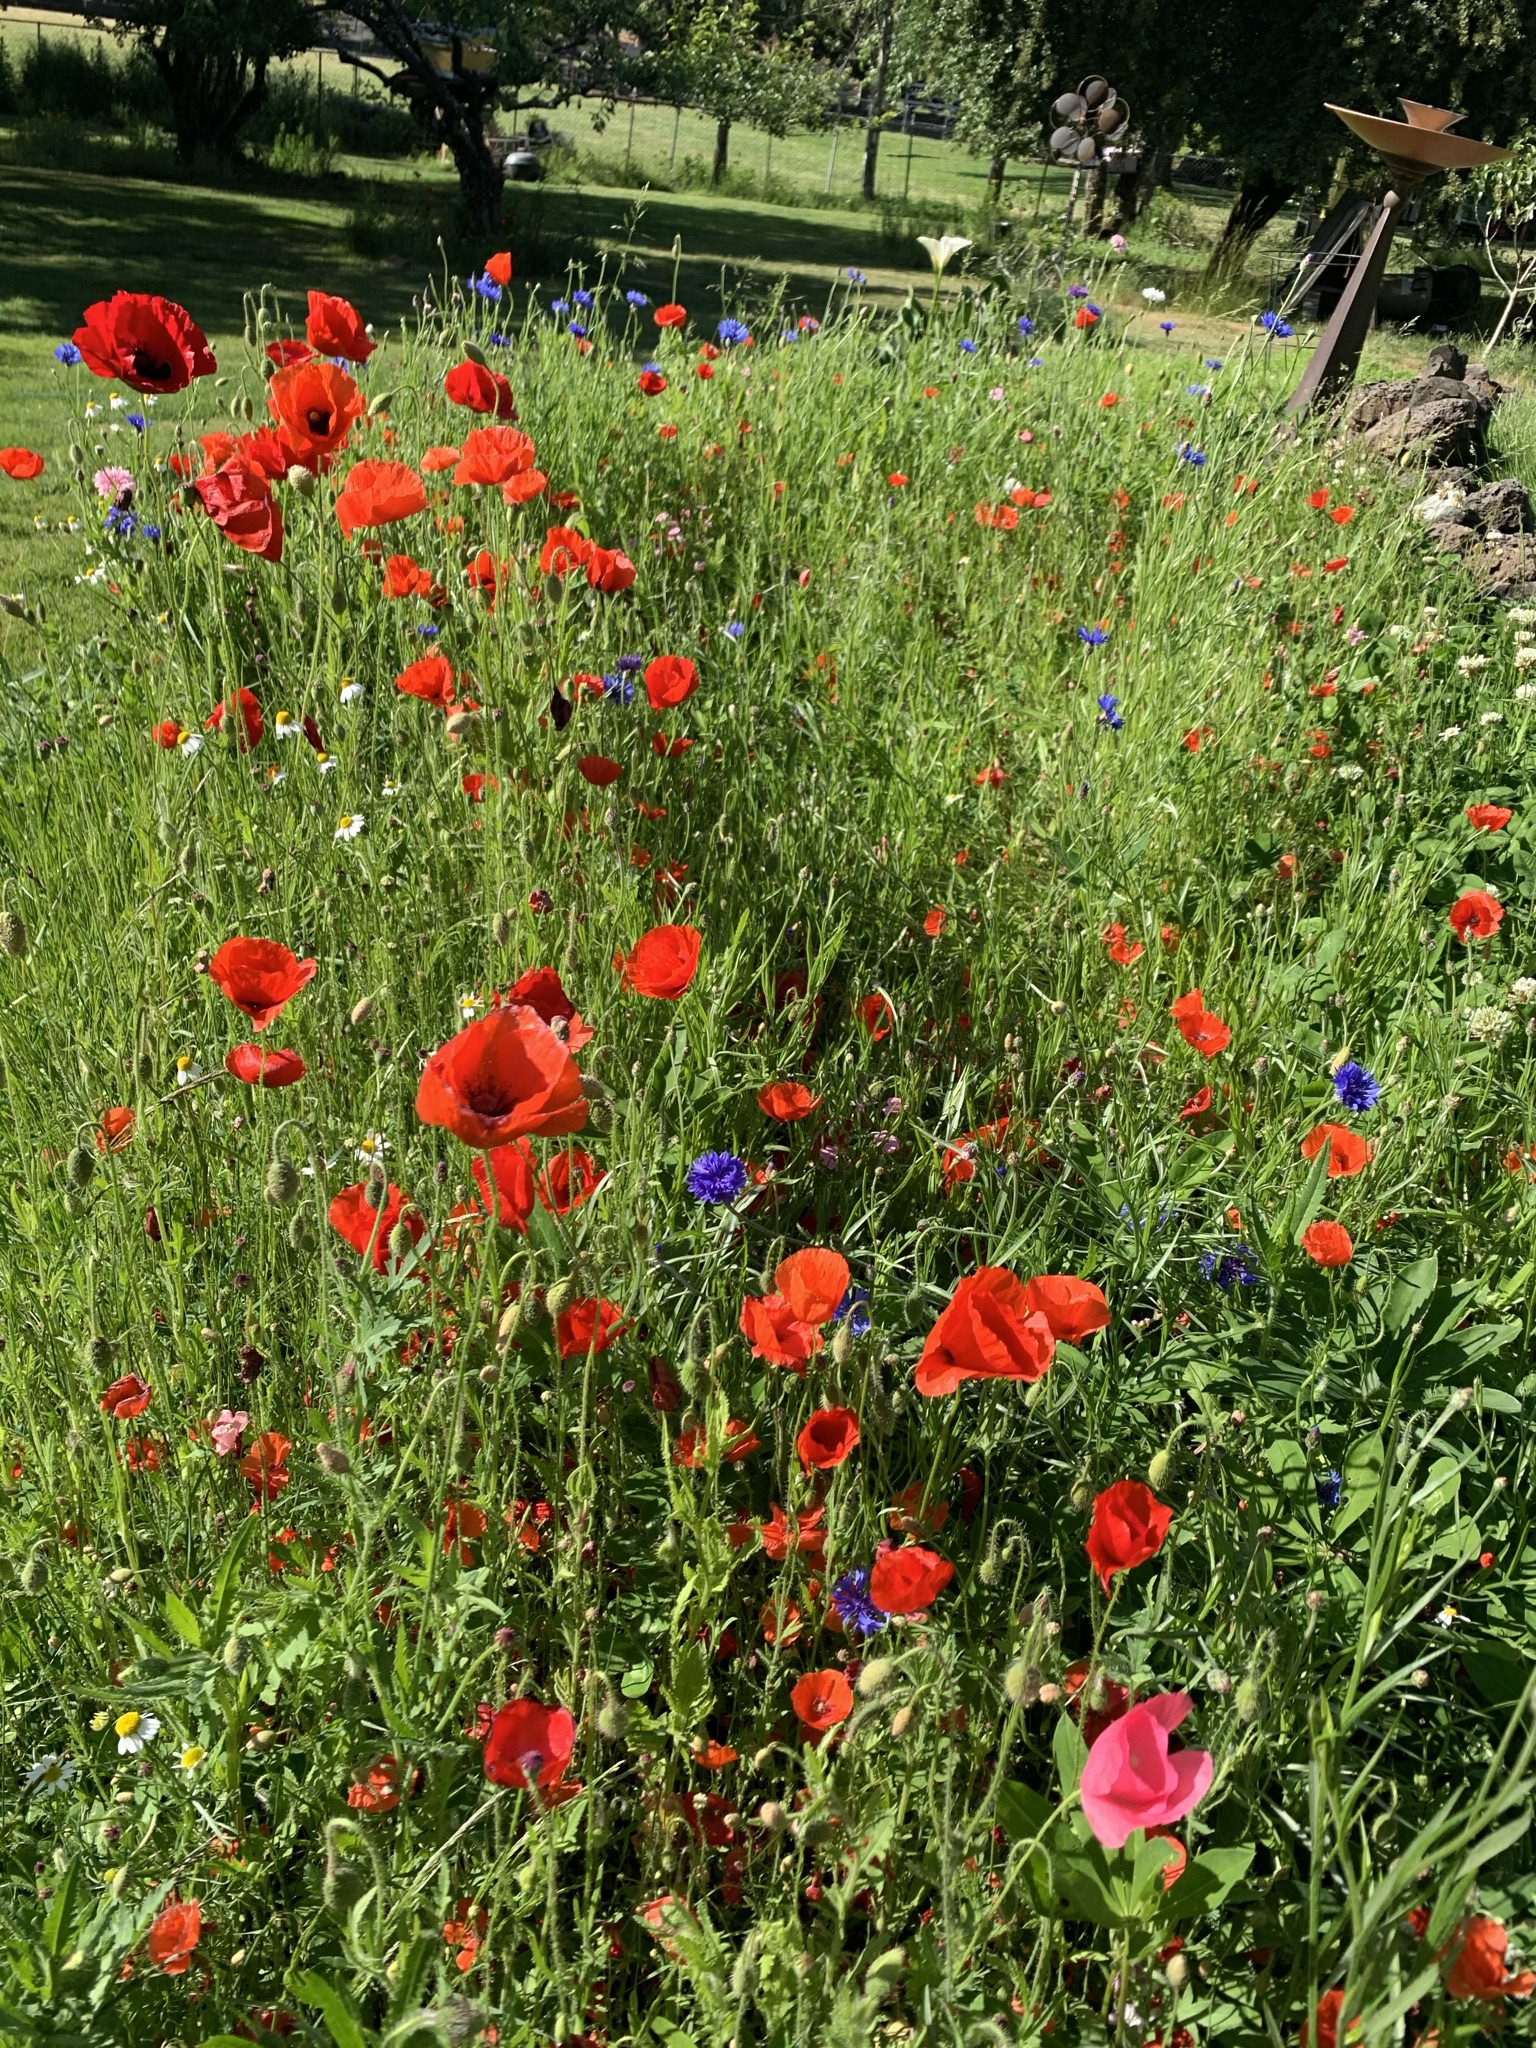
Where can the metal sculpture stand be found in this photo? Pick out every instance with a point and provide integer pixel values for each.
(1337, 355)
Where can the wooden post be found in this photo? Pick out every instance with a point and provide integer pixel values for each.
(677, 116)
(629, 146)
(832, 157)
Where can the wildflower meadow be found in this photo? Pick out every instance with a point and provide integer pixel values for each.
(769, 1175)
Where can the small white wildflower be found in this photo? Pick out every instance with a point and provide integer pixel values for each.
(1525, 657)
(1153, 296)
(189, 744)
(286, 727)
(1450, 732)
(191, 1757)
(1524, 692)
(390, 787)
(372, 1147)
(1469, 664)
(469, 1008)
(48, 1774)
(1488, 1027)
(1521, 615)
(351, 824)
(1447, 1616)
(1523, 990)
(351, 693)
(1349, 772)
(324, 765)
(133, 1731)
(1491, 718)
(188, 1070)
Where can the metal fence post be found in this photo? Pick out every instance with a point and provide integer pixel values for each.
(629, 147)
(832, 157)
(677, 117)
(906, 186)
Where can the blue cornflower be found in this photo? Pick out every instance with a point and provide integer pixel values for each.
(1167, 326)
(1092, 636)
(855, 1610)
(582, 298)
(855, 1306)
(497, 341)
(1212, 362)
(968, 347)
(150, 532)
(1192, 455)
(559, 305)
(575, 327)
(1330, 1490)
(636, 299)
(1356, 1087)
(650, 369)
(856, 276)
(426, 632)
(717, 1177)
(618, 689)
(1077, 291)
(1026, 325)
(1273, 324)
(120, 520)
(136, 420)
(1096, 311)
(630, 664)
(1035, 362)
(486, 287)
(1230, 1269)
(735, 629)
(1198, 390)
(67, 354)
(1109, 712)
(732, 330)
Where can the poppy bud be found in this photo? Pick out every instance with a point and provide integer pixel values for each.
(901, 1721)
(187, 860)
(745, 1975)
(234, 1655)
(98, 1353)
(1220, 1683)
(511, 1321)
(13, 934)
(1081, 1496)
(76, 454)
(360, 1012)
(282, 1184)
(842, 1343)
(242, 407)
(1021, 1682)
(501, 928)
(79, 1167)
(333, 1459)
(1251, 1700)
(532, 1304)
(152, 1224)
(490, 1372)
(33, 1576)
(612, 1719)
(380, 402)
(268, 368)
(301, 1233)
(771, 1815)
(375, 1187)
(1176, 1970)
(558, 1298)
(303, 482)
(401, 1243)
(874, 1675)
(462, 725)
(1159, 1469)
(342, 1885)
(144, 1067)
(554, 588)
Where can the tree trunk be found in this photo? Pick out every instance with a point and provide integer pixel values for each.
(1259, 199)
(1161, 171)
(482, 176)
(722, 152)
(877, 97)
(1093, 220)
(995, 171)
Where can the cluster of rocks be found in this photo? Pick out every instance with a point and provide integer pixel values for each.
(1441, 418)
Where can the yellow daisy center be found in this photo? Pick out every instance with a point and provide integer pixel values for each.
(126, 1724)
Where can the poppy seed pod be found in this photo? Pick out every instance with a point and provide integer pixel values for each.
(33, 1576)
(13, 934)
(79, 1167)
(282, 1184)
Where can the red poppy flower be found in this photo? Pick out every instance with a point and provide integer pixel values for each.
(830, 1435)
(1129, 1524)
(432, 679)
(1120, 951)
(251, 724)
(239, 501)
(529, 1744)
(876, 1017)
(405, 577)
(478, 389)
(258, 1067)
(588, 1325)
(1197, 1104)
(127, 1397)
(528, 484)
(988, 1331)
(787, 1102)
(285, 352)
(498, 268)
(652, 383)
(599, 770)
(1199, 1026)
(663, 963)
(1476, 915)
(775, 1333)
(813, 1282)
(378, 494)
(1476, 1965)
(909, 1580)
(511, 1168)
(379, 1790)
(610, 570)
(115, 1129)
(149, 343)
(1481, 817)
(167, 734)
(335, 328)
(174, 1934)
(493, 455)
(1328, 1244)
(439, 456)
(540, 990)
(571, 1176)
(564, 551)
(505, 1076)
(21, 464)
(316, 406)
(1348, 1152)
(822, 1700)
(669, 680)
(361, 1227)
(934, 923)
(1073, 1308)
(670, 315)
(265, 1464)
(259, 976)
(668, 750)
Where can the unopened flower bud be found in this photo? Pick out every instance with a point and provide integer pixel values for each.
(401, 1243)
(612, 1719)
(301, 481)
(13, 934)
(33, 1576)
(1250, 1700)
(361, 1011)
(501, 928)
(1176, 1970)
(79, 1167)
(1021, 1682)
(234, 1655)
(772, 1817)
(333, 1459)
(1160, 1470)
(301, 1233)
(145, 1067)
(558, 1298)
(374, 1187)
(877, 1672)
(1220, 1682)
(282, 1184)
(842, 1343)
(901, 1721)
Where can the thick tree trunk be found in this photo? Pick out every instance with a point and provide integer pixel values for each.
(1259, 198)
(482, 176)
(722, 152)
(877, 98)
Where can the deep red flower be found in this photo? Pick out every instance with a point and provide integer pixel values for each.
(511, 1169)
(432, 679)
(776, 1333)
(909, 1580)
(361, 1227)
(1481, 817)
(498, 268)
(663, 962)
(609, 570)
(258, 1067)
(238, 499)
(149, 343)
(988, 1331)
(285, 352)
(787, 1102)
(1476, 914)
(259, 976)
(21, 464)
(1129, 1524)
(541, 990)
(651, 382)
(829, 1436)
(599, 770)
(478, 389)
(876, 1016)
(588, 1325)
(821, 1700)
(174, 1934)
(1073, 1308)
(505, 1076)
(529, 1744)
(669, 680)
(335, 328)
(378, 494)
(115, 1130)
(251, 723)
(265, 1464)
(316, 407)
(670, 316)
(127, 1397)
(571, 1176)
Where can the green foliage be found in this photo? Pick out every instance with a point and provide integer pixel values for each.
(716, 59)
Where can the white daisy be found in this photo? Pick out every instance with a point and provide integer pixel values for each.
(189, 744)
(351, 693)
(133, 1731)
(324, 765)
(374, 1146)
(286, 727)
(188, 1070)
(191, 1757)
(351, 824)
(469, 1008)
(48, 1774)
(390, 788)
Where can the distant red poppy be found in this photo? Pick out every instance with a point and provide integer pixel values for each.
(174, 1933)
(529, 1744)
(787, 1102)
(361, 1227)
(252, 725)
(431, 678)
(669, 680)
(1476, 1965)
(564, 551)
(498, 268)
(987, 1331)
(1328, 1244)
(1199, 1026)
(378, 1790)
(570, 1177)
(1072, 1308)
(599, 770)
(378, 494)
(257, 1067)
(149, 343)
(126, 1397)
(1481, 817)
(543, 992)
(316, 407)
(876, 1016)
(1476, 914)
(167, 734)
(478, 389)
(663, 962)
(610, 570)
(588, 1325)
(505, 1076)
(115, 1129)
(670, 315)
(1129, 1525)
(238, 499)
(935, 921)
(829, 1436)
(822, 1700)
(439, 456)
(908, 1580)
(493, 455)
(405, 577)
(260, 976)
(1121, 950)
(652, 383)
(265, 1464)
(21, 464)
(476, 783)
(335, 328)
(1348, 1152)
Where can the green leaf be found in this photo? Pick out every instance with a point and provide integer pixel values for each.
(1411, 1291)
(1083, 1880)
(690, 1694)
(1070, 1752)
(227, 1578)
(636, 1682)
(183, 1620)
(58, 1928)
(1022, 1811)
(336, 2008)
(1207, 1881)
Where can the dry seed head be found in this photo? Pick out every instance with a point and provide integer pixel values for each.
(13, 934)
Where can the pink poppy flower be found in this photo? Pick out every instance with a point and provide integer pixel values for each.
(1131, 1781)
